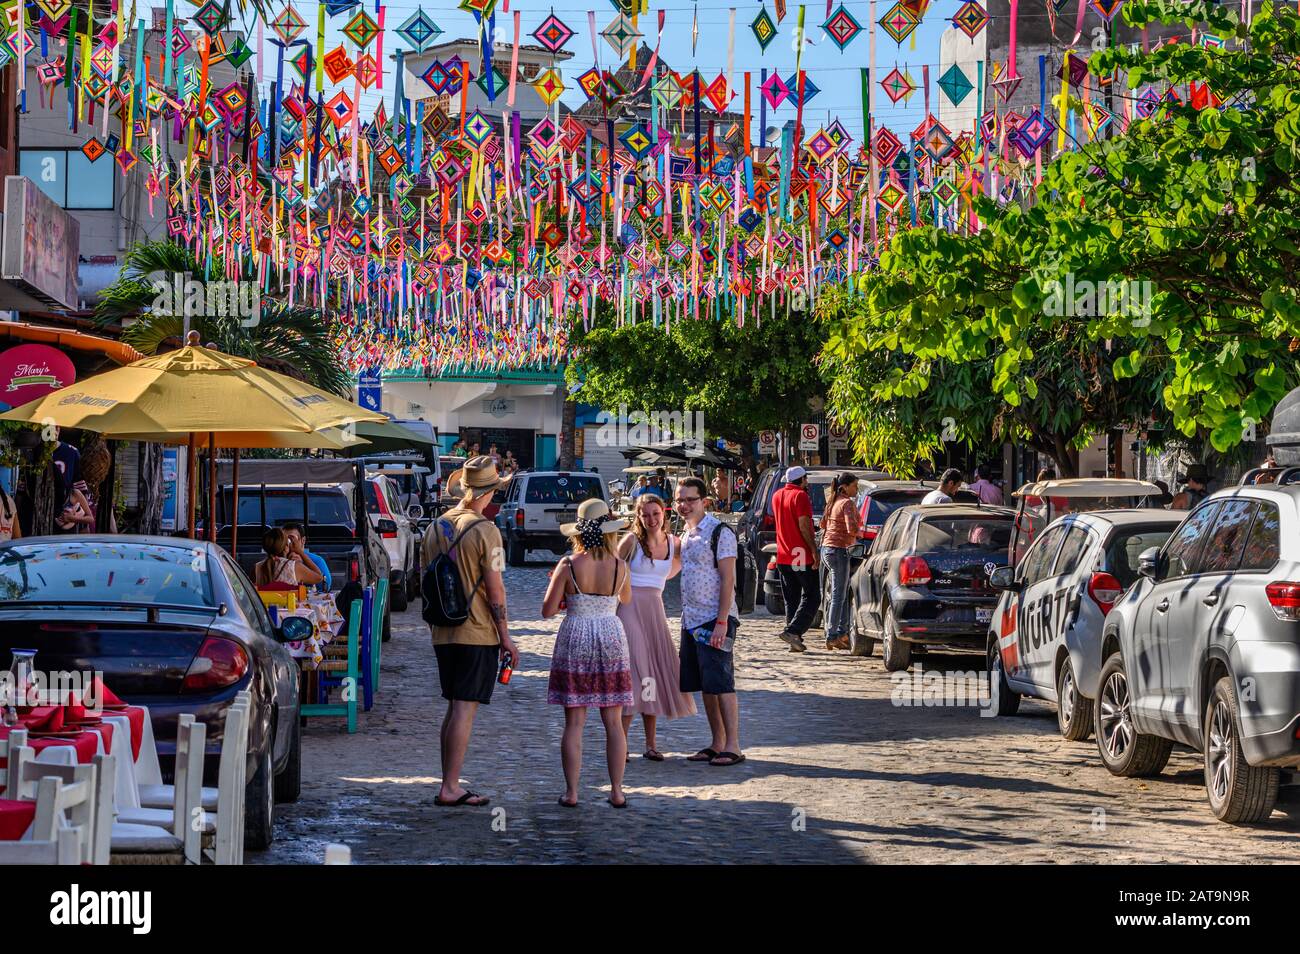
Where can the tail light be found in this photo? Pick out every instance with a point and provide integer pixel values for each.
(519, 519)
(869, 532)
(219, 663)
(913, 570)
(354, 570)
(1285, 600)
(1105, 591)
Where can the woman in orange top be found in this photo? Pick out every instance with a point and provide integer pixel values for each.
(840, 525)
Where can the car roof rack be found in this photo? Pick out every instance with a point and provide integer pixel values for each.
(1283, 475)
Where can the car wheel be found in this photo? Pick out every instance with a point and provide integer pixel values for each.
(514, 551)
(896, 652)
(398, 590)
(1124, 750)
(413, 583)
(259, 805)
(1003, 701)
(387, 633)
(288, 784)
(773, 602)
(860, 644)
(1240, 793)
(1073, 709)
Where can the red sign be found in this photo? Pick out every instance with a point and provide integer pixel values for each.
(32, 371)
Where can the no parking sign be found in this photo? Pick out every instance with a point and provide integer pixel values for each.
(767, 443)
(809, 436)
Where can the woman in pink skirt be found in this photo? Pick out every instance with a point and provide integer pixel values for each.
(589, 666)
(654, 557)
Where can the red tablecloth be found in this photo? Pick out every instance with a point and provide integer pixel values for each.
(136, 716)
(15, 818)
(86, 743)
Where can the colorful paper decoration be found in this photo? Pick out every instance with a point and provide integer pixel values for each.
(1106, 9)
(361, 30)
(955, 85)
(211, 17)
(419, 30)
(549, 86)
(288, 26)
(970, 18)
(841, 27)
(898, 85)
(553, 34)
(763, 28)
(621, 34)
(899, 22)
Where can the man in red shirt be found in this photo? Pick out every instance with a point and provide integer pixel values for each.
(796, 556)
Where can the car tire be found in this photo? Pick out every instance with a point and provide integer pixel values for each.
(773, 603)
(398, 590)
(413, 583)
(1073, 709)
(1003, 700)
(1124, 751)
(515, 551)
(259, 805)
(896, 652)
(1239, 793)
(860, 644)
(288, 784)
(387, 632)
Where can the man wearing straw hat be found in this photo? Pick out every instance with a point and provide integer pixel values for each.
(468, 654)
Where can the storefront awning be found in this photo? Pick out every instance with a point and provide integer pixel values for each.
(118, 351)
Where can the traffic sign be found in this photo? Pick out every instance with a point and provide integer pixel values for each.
(837, 437)
(809, 436)
(767, 443)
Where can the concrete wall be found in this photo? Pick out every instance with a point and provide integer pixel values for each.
(956, 47)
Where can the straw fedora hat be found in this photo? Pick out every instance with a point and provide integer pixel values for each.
(593, 509)
(479, 476)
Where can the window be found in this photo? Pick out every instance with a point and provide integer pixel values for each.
(892, 531)
(1185, 544)
(248, 602)
(69, 178)
(1039, 557)
(1262, 547)
(884, 502)
(1228, 539)
(1127, 546)
(324, 507)
(1077, 541)
(116, 572)
(943, 535)
(573, 489)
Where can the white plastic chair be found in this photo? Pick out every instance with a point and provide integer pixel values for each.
(163, 796)
(16, 739)
(79, 796)
(186, 819)
(65, 849)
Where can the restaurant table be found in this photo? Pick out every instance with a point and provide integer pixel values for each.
(15, 818)
(308, 651)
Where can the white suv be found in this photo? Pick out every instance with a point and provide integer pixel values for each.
(537, 503)
(389, 519)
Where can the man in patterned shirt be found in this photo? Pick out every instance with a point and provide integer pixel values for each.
(709, 620)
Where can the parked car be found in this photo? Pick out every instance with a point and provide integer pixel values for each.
(399, 536)
(171, 624)
(415, 483)
(926, 580)
(756, 527)
(1045, 638)
(1204, 650)
(536, 503)
(325, 496)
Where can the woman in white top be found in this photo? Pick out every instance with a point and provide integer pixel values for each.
(654, 557)
(278, 567)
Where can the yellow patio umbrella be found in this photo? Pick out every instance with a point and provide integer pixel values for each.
(174, 397)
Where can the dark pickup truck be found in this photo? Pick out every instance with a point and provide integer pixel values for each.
(323, 495)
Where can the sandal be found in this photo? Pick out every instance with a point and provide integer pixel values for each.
(703, 755)
(463, 800)
(735, 759)
(654, 755)
(622, 804)
(563, 804)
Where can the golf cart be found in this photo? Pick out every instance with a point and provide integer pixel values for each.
(1041, 502)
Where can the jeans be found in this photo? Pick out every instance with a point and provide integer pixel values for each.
(801, 590)
(837, 614)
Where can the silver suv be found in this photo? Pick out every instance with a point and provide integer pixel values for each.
(1204, 650)
(537, 503)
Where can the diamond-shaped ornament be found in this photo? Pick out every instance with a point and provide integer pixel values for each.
(842, 28)
(763, 28)
(289, 25)
(621, 34)
(970, 18)
(361, 30)
(419, 30)
(553, 34)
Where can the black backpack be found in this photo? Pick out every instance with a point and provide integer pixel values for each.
(442, 589)
(742, 565)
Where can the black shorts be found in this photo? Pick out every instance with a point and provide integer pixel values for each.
(705, 669)
(467, 673)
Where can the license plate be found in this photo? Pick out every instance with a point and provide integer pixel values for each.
(566, 516)
(983, 614)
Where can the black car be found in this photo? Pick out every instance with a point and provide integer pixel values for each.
(926, 580)
(171, 624)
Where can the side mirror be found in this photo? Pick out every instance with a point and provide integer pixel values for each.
(386, 526)
(295, 628)
(858, 551)
(1149, 563)
(1004, 578)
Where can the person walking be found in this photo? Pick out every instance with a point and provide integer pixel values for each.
(709, 621)
(653, 557)
(590, 665)
(796, 549)
(987, 491)
(840, 525)
(949, 484)
(468, 654)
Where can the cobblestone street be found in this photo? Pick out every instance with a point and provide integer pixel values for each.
(835, 773)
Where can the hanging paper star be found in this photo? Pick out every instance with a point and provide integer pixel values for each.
(955, 85)
(763, 28)
(899, 22)
(842, 27)
(810, 88)
(970, 18)
(775, 91)
(553, 34)
(419, 30)
(621, 35)
(338, 65)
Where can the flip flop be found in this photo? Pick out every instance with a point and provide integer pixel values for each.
(622, 804)
(563, 804)
(735, 759)
(654, 755)
(703, 755)
(463, 800)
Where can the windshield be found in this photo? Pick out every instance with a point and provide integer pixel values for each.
(573, 489)
(885, 502)
(325, 506)
(934, 536)
(114, 572)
